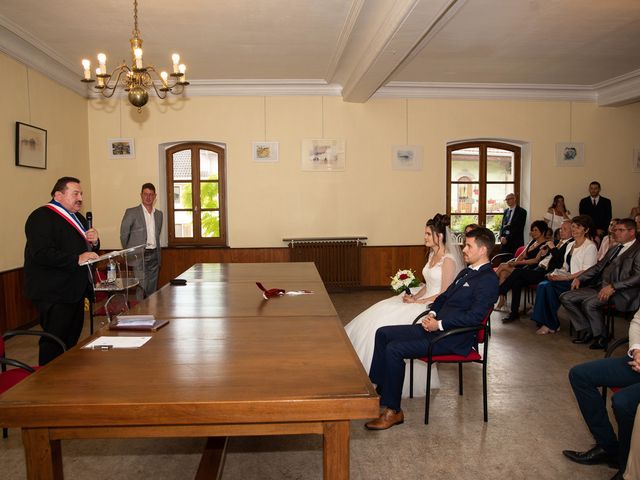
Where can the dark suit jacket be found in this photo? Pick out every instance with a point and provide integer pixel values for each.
(600, 214)
(557, 256)
(514, 230)
(623, 273)
(133, 228)
(464, 304)
(51, 269)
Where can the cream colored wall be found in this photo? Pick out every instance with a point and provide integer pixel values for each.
(31, 98)
(267, 202)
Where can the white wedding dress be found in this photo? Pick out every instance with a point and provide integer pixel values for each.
(393, 311)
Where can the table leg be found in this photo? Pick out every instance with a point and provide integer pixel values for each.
(336, 450)
(43, 455)
(212, 461)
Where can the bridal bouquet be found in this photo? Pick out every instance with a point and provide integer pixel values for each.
(403, 280)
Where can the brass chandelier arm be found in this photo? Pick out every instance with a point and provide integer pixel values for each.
(121, 69)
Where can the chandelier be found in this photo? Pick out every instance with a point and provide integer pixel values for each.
(136, 79)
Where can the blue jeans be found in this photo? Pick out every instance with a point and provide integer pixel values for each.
(610, 372)
(545, 308)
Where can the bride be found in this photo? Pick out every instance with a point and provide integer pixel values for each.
(444, 261)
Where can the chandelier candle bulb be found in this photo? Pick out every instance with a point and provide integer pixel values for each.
(176, 60)
(102, 60)
(164, 76)
(86, 64)
(183, 71)
(138, 54)
(100, 79)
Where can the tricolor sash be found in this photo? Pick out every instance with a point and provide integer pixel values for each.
(73, 221)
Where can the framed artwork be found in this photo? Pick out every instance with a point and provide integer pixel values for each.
(265, 152)
(323, 155)
(121, 148)
(31, 146)
(569, 154)
(407, 157)
(635, 161)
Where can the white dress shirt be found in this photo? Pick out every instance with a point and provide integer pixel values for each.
(150, 222)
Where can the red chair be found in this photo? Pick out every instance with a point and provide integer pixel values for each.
(10, 378)
(610, 349)
(482, 336)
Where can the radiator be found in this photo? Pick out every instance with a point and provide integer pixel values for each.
(337, 259)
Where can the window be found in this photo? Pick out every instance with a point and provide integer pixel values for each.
(479, 176)
(195, 182)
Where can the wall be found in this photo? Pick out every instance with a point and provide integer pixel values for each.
(268, 202)
(32, 98)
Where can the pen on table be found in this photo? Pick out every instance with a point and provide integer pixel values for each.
(102, 347)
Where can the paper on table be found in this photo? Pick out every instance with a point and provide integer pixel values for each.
(116, 342)
(136, 320)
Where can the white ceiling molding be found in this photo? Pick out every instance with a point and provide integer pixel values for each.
(406, 24)
(619, 91)
(28, 50)
(485, 91)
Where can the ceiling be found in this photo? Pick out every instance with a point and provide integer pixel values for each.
(551, 49)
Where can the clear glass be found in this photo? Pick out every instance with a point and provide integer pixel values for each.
(210, 224)
(493, 223)
(182, 165)
(208, 165)
(183, 224)
(459, 222)
(500, 165)
(465, 197)
(182, 196)
(209, 197)
(496, 194)
(465, 165)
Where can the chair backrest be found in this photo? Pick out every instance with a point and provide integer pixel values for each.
(519, 250)
(480, 337)
(116, 305)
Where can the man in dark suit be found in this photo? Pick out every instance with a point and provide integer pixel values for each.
(142, 225)
(586, 380)
(615, 278)
(512, 229)
(465, 303)
(598, 208)
(523, 277)
(59, 241)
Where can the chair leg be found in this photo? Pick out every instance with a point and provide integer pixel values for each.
(427, 395)
(484, 392)
(411, 378)
(5, 433)
(460, 378)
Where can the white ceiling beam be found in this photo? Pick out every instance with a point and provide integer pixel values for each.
(619, 91)
(405, 29)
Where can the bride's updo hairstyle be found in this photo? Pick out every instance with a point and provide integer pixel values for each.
(438, 225)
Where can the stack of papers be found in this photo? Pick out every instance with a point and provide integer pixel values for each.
(136, 320)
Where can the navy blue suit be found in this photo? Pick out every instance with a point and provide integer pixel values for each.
(465, 303)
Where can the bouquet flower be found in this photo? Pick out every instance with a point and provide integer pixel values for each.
(403, 280)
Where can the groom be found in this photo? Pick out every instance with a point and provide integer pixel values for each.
(465, 303)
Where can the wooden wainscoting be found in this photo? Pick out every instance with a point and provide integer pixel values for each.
(377, 264)
(15, 309)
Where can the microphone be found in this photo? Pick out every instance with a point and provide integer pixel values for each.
(89, 218)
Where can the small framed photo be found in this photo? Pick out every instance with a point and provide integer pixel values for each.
(635, 163)
(569, 154)
(323, 155)
(121, 148)
(265, 152)
(31, 146)
(407, 157)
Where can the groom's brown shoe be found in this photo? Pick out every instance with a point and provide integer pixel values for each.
(387, 419)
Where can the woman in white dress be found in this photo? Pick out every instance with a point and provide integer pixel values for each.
(444, 261)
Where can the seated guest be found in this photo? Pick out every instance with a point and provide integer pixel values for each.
(580, 256)
(633, 462)
(444, 261)
(586, 379)
(615, 278)
(557, 213)
(522, 278)
(608, 241)
(464, 304)
(528, 258)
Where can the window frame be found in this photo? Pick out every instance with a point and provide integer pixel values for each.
(197, 239)
(482, 182)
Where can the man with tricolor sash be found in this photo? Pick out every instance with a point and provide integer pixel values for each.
(59, 241)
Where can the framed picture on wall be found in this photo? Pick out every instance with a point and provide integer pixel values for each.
(569, 154)
(635, 161)
(265, 152)
(323, 155)
(407, 157)
(31, 146)
(121, 148)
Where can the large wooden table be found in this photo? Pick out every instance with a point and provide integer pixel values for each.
(229, 363)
